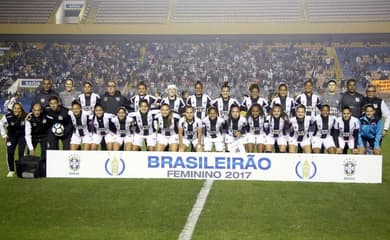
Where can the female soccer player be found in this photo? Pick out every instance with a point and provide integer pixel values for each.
(301, 130)
(287, 103)
(324, 127)
(347, 132)
(236, 130)
(120, 130)
(190, 131)
(199, 101)
(100, 127)
(144, 130)
(254, 97)
(256, 135)
(213, 131)
(370, 132)
(80, 134)
(275, 128)
(224, 102)
(175, 103)
(167, 124)
(12, 129)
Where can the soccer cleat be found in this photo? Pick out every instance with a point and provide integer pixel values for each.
(11, 174)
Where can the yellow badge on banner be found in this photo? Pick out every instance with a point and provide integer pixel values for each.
(382, 86)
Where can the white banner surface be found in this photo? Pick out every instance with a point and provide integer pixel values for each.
(217, 166)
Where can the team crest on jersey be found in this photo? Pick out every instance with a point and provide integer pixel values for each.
(60, 118)
(117, 99)
(357, 99)
(22, 123)
(375, 105)
(44, 121)
(105, 99)
(12, 124)
(34, 124)
(42, 100)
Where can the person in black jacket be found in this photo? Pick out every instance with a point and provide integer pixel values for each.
(58, 114)
(37, 128)
(43, 94)
(113, 99)
(12, 131)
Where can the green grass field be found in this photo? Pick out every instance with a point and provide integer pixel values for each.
(157, 209)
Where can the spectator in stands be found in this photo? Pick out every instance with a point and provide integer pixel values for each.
(43, 94)
(69, 95)
(380, 107)
(352, 99)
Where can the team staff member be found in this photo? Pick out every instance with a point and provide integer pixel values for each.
(113, 99)
(12, 127)
(69, 95)
(370, 132)
(352, 99)
(381, 108)
(88, 99)
(37, 130)
(59, 114)
(43, 94)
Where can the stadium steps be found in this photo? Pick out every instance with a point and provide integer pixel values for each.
(171, 10)
(304, 14)
(91, 18)
(52, 18)
(338, 70)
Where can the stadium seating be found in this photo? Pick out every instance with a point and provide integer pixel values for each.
(132, 11)
(348, 10)
(23, 11)
(236, 10)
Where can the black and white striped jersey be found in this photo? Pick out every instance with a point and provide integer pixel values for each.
(213, 128)
(223, 106)
(165, 126)
(200, 104)
(190, 129)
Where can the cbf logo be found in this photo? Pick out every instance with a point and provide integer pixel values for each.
(114, 166)
(74, 164)
(306, 169)
(349, 167)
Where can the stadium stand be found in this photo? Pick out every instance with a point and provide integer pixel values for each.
(132, 11)
(236, 10)
(22, 11)
(348, 10)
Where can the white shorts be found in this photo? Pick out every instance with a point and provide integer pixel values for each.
(255, 139)
(111, 138)
(293, 141)
(96, 138)
(230, 139)
(166, 140)
(281, 140)
(128, 139)
(77, 140)
(188, 142)
(350, 143)
(217, 142)
(318, 142)
(140, 139)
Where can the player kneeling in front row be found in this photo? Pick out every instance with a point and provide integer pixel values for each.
(370, 133)
(167, 124)
(99, 127)
(347, 132)
(301, 130)
(190, 131)
(275, 128)
(213, 131)
(236, 130)
(324, 129)
(81, 136)
(256, 135)
(120, 126)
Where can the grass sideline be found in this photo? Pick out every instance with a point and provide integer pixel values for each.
(157, 209)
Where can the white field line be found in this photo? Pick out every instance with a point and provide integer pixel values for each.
(189, 227)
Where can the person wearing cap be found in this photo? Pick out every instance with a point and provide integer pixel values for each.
(176, 103)
(69, 95)
(381, 108)
(88, 99)
(352, 99)
(332, 98)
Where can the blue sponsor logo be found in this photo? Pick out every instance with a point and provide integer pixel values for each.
(206, 162)
(115, 166)
(306, 169)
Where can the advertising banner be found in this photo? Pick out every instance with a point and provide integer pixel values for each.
(217, 166)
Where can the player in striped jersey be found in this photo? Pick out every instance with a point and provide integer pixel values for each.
(324, 129)
(99, 126)
(190, 131)
(175, 103)
(287, 103)
(199, 101)
(301, 130)
(224, 102)
(254, 97)
(120, 126)
(144, 129)
(167, 124)
(237, 127)
(275, 128)
(88, 99)
(213, 131)
(347, 132)
(256, 136)
(80, 135)
(308, 99)
(135, 101)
